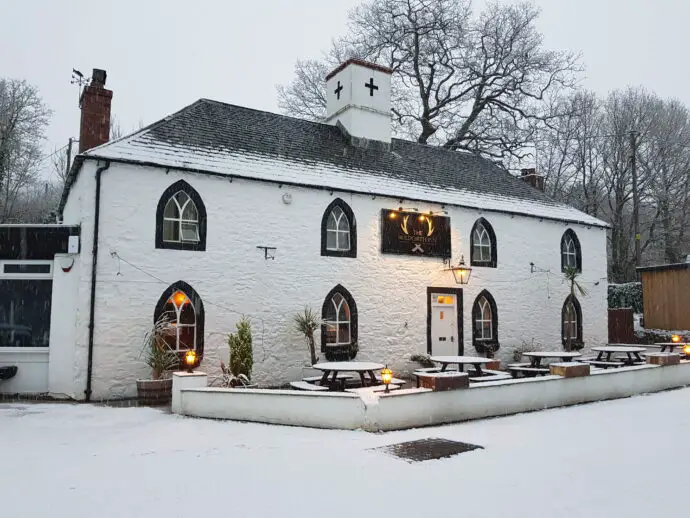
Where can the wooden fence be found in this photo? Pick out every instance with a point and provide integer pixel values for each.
(621, 329)
(666, 295)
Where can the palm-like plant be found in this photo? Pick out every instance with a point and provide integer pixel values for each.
(307, 323)
(571, 274)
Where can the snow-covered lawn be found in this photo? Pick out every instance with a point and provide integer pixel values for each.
(620, 458)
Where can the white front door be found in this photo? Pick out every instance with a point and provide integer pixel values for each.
(444, 324)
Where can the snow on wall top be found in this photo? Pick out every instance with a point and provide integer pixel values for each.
(219, 138)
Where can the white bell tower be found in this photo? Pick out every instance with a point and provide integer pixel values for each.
(359, 97)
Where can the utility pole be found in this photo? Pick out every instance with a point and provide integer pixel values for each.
(636, 197)
(69, 156)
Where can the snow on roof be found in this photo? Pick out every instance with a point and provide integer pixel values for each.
(218, 138)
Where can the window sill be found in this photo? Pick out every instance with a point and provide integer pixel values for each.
(338, 253)
(483, 264)
(194, 247)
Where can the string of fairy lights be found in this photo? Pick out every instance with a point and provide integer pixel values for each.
(535, 273)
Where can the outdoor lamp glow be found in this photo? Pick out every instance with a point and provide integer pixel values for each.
(686, 350)
(461, 272)
(675, 338)
(190, 360)
(386, 376)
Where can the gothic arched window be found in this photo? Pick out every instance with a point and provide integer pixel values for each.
(485, 323)
(338, 230)
(339, 325)
(181, 219)
(181, 308)
(571, 321)
(483, 244)
(571, 255)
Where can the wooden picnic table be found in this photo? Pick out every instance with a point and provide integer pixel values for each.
(461, 361)
(361, 368)
(632, 351)
(537, 356)
(671, 345)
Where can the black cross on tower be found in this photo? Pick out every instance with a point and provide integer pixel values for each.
(338, 90)
(371, 86)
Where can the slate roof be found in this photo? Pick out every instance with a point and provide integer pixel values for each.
(218, 138)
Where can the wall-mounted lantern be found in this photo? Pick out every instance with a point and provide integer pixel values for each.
(461, 272)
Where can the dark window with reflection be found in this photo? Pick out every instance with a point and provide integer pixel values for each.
(25, 312)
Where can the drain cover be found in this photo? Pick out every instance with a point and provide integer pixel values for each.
(426, 449)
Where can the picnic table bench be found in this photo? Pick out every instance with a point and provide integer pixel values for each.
(304, 385)
(527, 370)
(632, 352)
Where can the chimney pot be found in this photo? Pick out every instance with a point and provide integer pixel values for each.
(98, 77)
(530, 176)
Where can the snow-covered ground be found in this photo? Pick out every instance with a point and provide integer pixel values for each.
(620, 458)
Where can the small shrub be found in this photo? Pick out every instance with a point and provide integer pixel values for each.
(241, 353)
(423, 359)
(525, 347)
(307, 323)
(627, 295)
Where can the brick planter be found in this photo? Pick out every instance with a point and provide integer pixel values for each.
(441, 381)
(663, 358)
(570, 369)
(154, 392)
(493, 365)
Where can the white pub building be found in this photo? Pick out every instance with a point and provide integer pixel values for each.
(219, 211)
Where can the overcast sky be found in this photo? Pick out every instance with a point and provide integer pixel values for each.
(162, 55)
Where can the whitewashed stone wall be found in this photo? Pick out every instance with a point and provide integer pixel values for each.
(233, 278)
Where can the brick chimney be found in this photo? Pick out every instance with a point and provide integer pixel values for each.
(95, 112)
(531, 177)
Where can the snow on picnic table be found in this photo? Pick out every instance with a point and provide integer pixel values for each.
(618, 458)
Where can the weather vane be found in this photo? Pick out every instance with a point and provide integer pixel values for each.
(79, 80)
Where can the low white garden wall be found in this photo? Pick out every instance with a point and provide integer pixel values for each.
(32, 372)
(414, 408)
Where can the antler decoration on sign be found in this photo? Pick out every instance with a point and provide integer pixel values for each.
(431, 227)
(403, 225)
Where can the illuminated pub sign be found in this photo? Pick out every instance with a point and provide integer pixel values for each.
(414, 233)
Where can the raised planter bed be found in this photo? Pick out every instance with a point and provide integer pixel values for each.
(154, 392)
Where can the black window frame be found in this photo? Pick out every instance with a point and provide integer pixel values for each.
(173, 189)
(578, 251)
(352, 252)
(198, 309)
(341, 352)
(493, 262)
(578, 342)
(482, 346)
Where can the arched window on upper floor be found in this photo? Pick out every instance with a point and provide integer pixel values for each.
(338, 230)
(483, 244)
(571, 254)
(181, 219)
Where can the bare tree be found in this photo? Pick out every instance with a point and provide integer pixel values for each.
(463, 82)
(665, 161)
(23, 118)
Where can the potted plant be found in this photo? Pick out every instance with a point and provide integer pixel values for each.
(307, 323)
(241, 356)
(162, 360)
